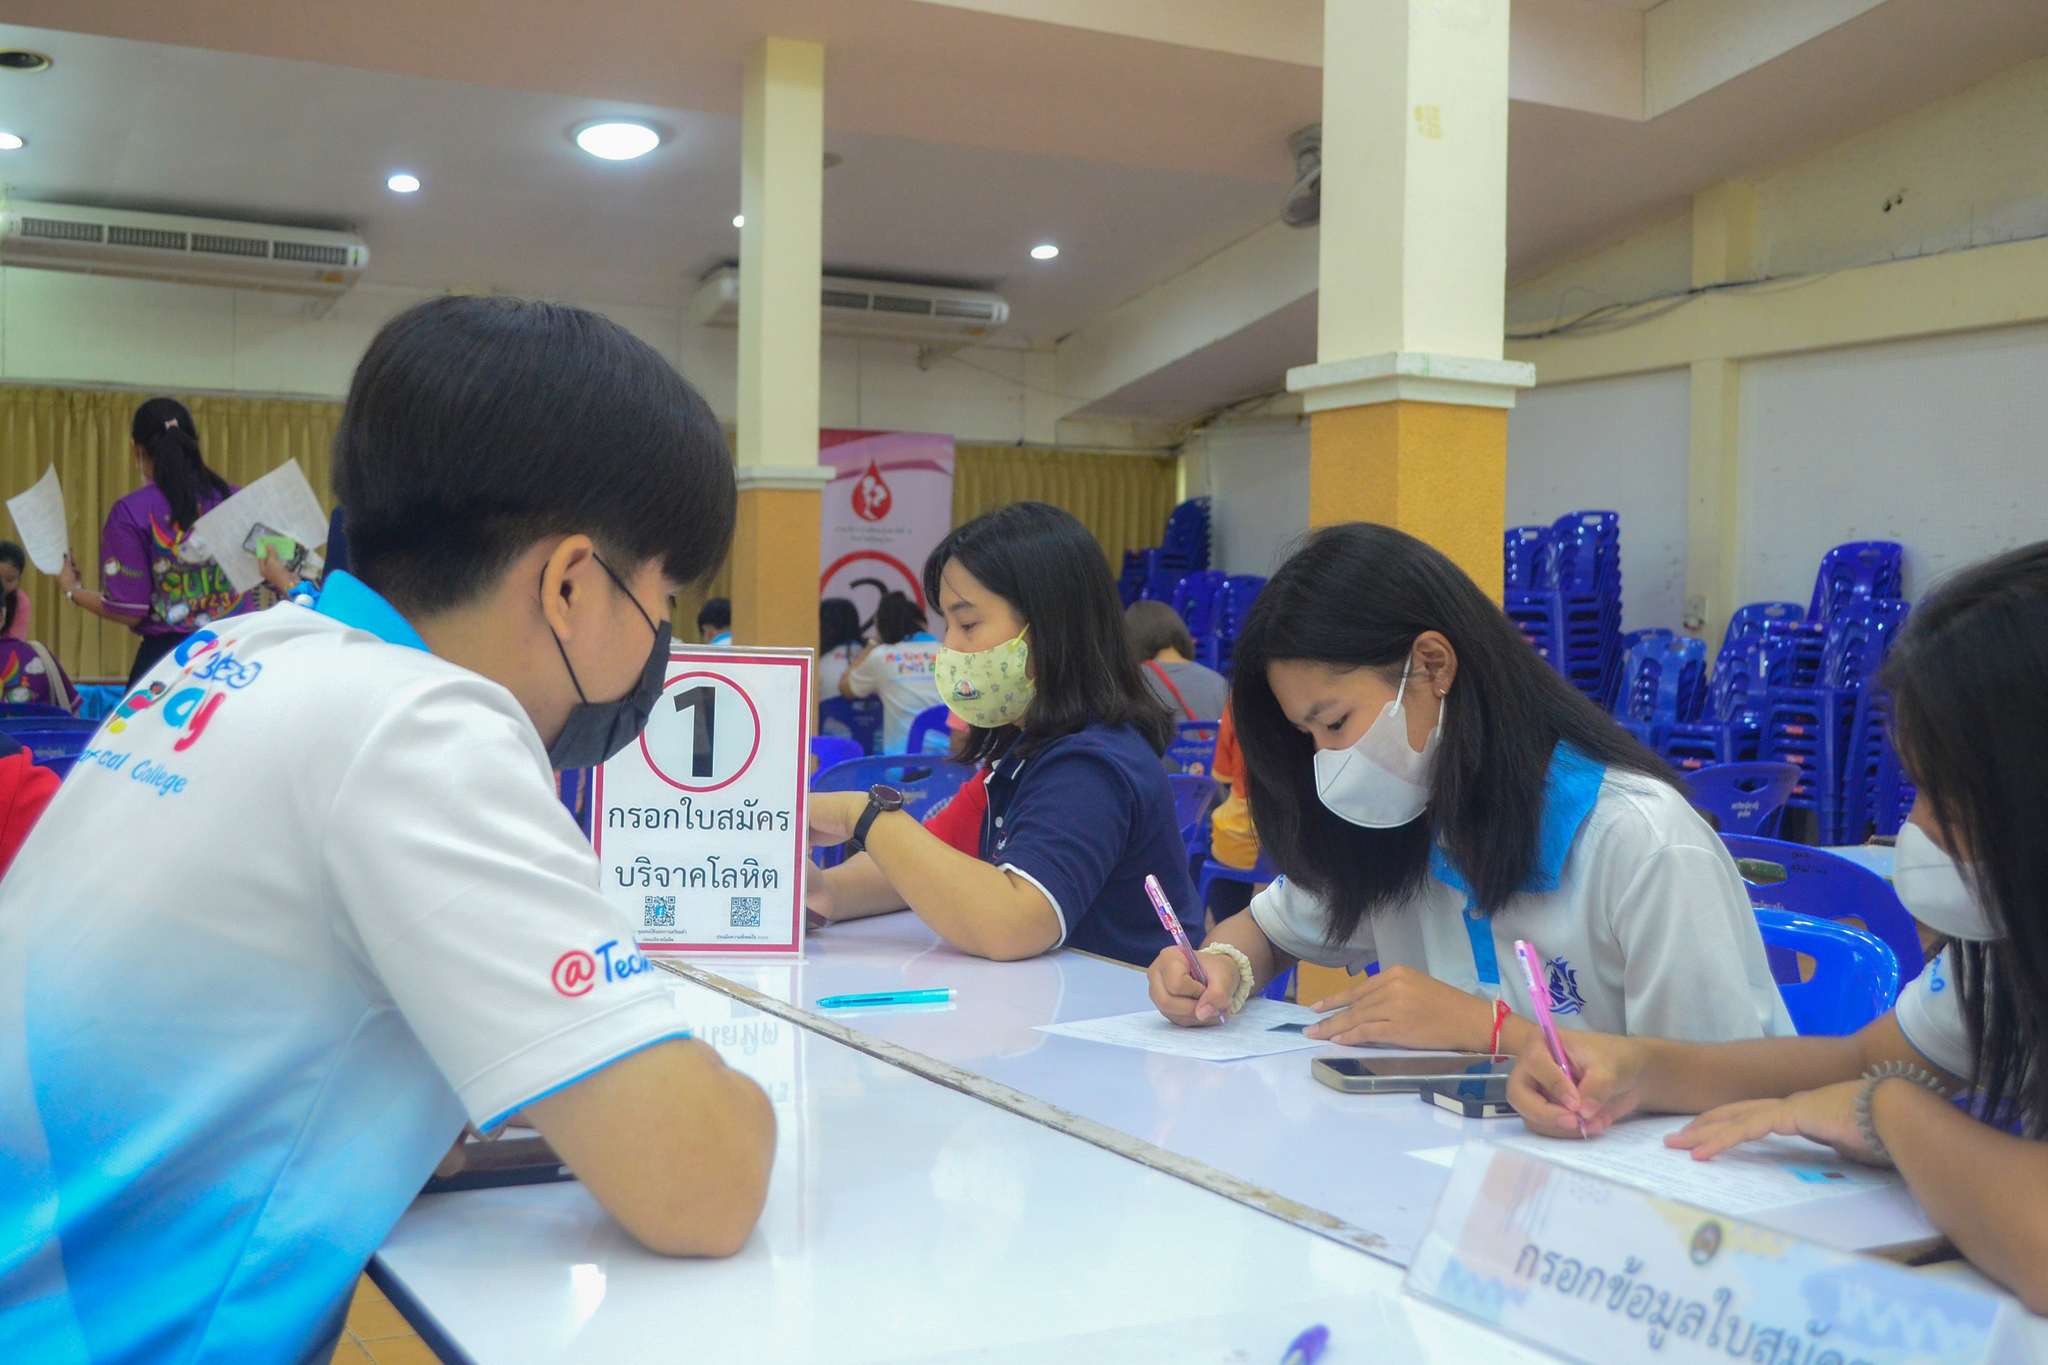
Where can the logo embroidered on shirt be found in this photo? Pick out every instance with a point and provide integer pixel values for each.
(576, 972)
(1564, 988)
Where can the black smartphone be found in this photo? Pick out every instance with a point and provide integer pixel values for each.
(1393, 1074)
(1474, 1097)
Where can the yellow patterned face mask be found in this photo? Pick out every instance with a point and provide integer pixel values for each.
(990, 688)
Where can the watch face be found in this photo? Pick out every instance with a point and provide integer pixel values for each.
(885, 796)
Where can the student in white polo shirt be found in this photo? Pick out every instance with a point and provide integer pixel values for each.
(1967, 678)
(1433, 792)
(349, 914)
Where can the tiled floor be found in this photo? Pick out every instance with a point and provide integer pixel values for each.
(377, 1335)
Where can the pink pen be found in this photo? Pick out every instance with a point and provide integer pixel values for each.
(1172, 923)
(1539, 1004)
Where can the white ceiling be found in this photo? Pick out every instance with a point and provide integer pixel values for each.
(967, 136)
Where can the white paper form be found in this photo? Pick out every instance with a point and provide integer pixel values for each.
(1257, 1030)
(281, 500)
(1768, 1174)
(39, 521)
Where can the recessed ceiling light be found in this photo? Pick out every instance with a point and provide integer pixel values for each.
(403, 183)
(21, 59)
(1044, 251)
(739, 220)
(617, 141)
(11, 142)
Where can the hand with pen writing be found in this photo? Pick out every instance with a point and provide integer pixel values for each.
(1610, 1085)
(1184, 1000)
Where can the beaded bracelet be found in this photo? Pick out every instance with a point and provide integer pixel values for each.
(1876, 1076)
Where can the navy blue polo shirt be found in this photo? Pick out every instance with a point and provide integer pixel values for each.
(1085, 819)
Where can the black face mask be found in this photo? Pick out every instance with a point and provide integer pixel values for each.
(597, 730)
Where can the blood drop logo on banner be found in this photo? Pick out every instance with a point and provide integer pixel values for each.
(890, 502)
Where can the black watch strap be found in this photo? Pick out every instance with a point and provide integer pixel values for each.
(881, 800)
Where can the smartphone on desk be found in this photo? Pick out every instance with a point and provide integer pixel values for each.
(1405, 1073)
(1473, 1097)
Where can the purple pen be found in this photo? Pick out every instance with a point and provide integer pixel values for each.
(1172, 923)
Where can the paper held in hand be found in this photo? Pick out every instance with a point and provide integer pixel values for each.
(39, 521)
(699, 824)
(281, 501)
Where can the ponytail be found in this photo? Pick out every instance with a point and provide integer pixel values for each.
(164, 429)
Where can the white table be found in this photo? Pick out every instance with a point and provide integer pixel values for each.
(905, 1222)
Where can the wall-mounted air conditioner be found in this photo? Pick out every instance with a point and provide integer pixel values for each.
(853, 307)
(168, 246)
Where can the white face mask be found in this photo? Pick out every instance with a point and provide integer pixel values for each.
(1379, 782)
(1934, 891)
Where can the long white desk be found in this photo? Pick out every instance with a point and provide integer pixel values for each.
(905, 1222)
(1261, 1128)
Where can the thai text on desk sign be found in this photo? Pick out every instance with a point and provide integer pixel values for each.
(699, 825)
(1602, 1273)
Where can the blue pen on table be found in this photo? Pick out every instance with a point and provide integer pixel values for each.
(1539, 1005)
(1307, 1347)
(880, 999)
(1180, 936)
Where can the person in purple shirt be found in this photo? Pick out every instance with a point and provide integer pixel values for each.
(159, 581)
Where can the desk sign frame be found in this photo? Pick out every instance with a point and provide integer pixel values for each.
(1601, 1273)
(699, 825)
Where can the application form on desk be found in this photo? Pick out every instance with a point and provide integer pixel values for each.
(1260, 1029)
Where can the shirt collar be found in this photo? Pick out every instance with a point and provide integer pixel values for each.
(349, 600)
(1569, 792)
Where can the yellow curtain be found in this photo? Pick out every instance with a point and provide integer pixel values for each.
(84, 433)
(1123, 499)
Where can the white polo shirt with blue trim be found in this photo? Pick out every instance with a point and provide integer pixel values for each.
(1635, 906)
(307, 904)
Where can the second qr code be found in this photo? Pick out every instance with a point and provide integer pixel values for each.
(661, 913)
(746, 912)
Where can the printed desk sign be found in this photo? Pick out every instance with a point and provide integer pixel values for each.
(699, 827)
(1602, 1273)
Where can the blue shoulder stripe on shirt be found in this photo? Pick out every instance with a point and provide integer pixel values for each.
(349, 600)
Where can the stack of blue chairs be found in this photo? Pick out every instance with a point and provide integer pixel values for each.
(1217, 648)
(1183, 549)
(1856, 572)
(1664, 683)
(1572, 613)
(1814, 726)
(1195, 599)
(1527, 562)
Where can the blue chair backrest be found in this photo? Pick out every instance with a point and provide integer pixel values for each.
(1193, 750)
(1525, 558)
(1826, 886)
(1742, 797)
(51, 743)
(1861, 568)
(1665, 679)
(17, 709)
(924, 782)
(1192, 798)
(1194, 598)
(1160, 583)
(926, 725)
(1858, 638)
(832, 750)
(575, 787)
(61, 723)
(1855, 977)
(62, 765)
(1239, 592)
(860, 721)
(1585, 551)
(1748, 622)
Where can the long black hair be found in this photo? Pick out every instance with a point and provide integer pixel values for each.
(1358, 596)
(1968, 679)
(838, 624)
(10, 553)
(1044, 563)
(165, 431)
(898, 618)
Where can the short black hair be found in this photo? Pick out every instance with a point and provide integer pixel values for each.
(476, 426)
(10, 553)
(838, 624)
(1153, 626)
(716, 611)
(1045, 564)
(1358, 596)
(898, 618)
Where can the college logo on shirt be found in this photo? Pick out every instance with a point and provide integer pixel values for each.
(576, 972)
(208, 660)
(1564, 988)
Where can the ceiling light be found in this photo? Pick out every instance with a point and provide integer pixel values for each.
(1044, 251)
(11, 142)
(20, 59)
(739, 220)
(617, 141)
(403, 183)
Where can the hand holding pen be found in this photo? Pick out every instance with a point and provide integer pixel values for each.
(1539, 1005)
(1186, 990)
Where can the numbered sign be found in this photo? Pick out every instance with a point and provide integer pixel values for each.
(699, 827)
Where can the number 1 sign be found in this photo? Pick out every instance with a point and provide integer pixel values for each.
(699, 827)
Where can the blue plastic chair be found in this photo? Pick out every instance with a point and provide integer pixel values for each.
(930, 722)
(1192, 798)
(61, 765)
(50, 739)
(1749, 622)
(1822, 885)
(575, 788)
(1525, 560)
(1262, 871)
(926, 783)
(831, 750)
(1193, 750)
(16, 710)
(860, 721)
(1855, 977)
(1743, 798)
(1859, 569)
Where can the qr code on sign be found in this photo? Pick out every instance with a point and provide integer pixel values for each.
(661, 912)
(746, 912)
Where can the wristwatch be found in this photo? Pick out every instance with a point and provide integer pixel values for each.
(881, 799)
